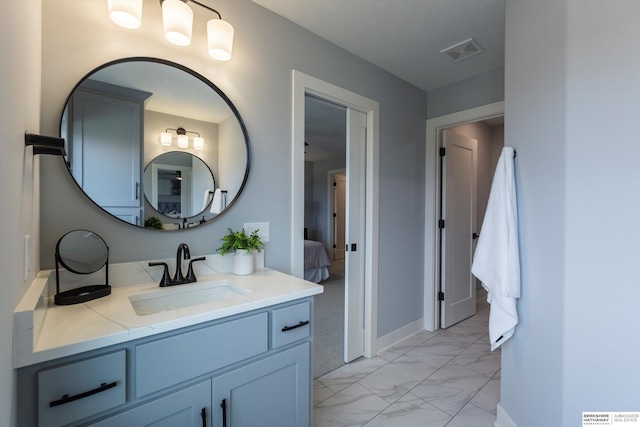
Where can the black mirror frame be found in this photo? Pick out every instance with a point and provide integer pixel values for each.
(193, 73)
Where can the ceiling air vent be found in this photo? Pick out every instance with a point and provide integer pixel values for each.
(462, 50)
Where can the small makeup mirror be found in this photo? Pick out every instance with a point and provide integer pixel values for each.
(82, 252)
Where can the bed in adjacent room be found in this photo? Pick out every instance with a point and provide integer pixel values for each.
(316, 261)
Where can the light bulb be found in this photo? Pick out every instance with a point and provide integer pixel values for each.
(165, 139)
(198, 143)
(177, 18)
(183, 141)
(219, 39)
(126, 13)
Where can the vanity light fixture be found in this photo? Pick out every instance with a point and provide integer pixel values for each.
(166, 138)
(126, 13)
(177, 20)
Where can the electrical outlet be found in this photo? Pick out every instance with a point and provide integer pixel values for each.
(262, 227)
(27, 257)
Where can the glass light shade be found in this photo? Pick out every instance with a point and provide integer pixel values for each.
(220, 39)
(126, 13)
(183, 141)
(198, 143)
(165, 138)
(177, 18)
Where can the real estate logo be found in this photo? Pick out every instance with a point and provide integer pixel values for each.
(626, 419)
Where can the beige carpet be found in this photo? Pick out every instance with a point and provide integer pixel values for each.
(328, 331)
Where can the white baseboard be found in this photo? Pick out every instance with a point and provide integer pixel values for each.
(503, 419)
(398, 335)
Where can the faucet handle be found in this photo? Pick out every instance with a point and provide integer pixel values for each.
(166, 278)
(191, 276)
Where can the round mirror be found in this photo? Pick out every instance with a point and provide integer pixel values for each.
(82, 252)
(179, 185)
(123, 117)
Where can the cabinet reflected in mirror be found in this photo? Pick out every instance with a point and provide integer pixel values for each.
(112, 123)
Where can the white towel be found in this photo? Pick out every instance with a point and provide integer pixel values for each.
(496, 261)
(217, 203)
(206, 199)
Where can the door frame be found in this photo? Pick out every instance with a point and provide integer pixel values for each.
(432, 202)
(332, 207)
(303, 85)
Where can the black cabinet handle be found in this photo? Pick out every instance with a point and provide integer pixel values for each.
(223, 405)
(203, 414)
(66, 398)
(299, 325)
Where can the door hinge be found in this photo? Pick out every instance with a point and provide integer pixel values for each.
(441, 223)
(442, 151)
(440, 296)
(335, 214)
(335, 246)
(335, 184)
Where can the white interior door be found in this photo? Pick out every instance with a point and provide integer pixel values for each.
(339, 215)
(355, 235)
(458, 204)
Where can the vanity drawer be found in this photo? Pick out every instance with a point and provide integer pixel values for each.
(291, 324)
(71, 392)
(170, 361)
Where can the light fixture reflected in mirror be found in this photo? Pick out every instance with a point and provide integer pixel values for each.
(177, 20)
(166, 138)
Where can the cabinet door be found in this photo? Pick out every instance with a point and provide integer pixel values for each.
(105, 150)
(186, 408)
(273, 392)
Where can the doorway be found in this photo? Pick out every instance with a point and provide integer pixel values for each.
(363, 325)
(433, 261)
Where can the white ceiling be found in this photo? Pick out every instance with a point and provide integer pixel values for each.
(405, 37)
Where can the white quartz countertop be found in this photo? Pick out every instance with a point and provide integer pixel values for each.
(45, 331)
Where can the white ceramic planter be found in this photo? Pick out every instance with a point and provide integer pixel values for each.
(243, 262)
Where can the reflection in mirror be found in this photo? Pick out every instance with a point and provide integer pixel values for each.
(112, 124)
(179, 185)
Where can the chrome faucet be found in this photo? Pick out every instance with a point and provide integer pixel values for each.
(183, 249)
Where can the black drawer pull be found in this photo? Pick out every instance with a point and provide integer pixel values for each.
(66, 398)
(299, 325)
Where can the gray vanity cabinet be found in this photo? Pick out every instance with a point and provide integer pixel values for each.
(251, 369)
(185, 408)
(272, 392)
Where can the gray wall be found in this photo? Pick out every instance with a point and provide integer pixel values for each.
(483, 89)
(258, 81)
(571, 112)
(19, 112)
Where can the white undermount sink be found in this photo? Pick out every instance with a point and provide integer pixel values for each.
(182, 296)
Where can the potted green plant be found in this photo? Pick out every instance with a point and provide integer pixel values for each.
(243, 244)
(153, 222)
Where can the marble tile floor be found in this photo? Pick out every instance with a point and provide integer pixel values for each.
(431, 379)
